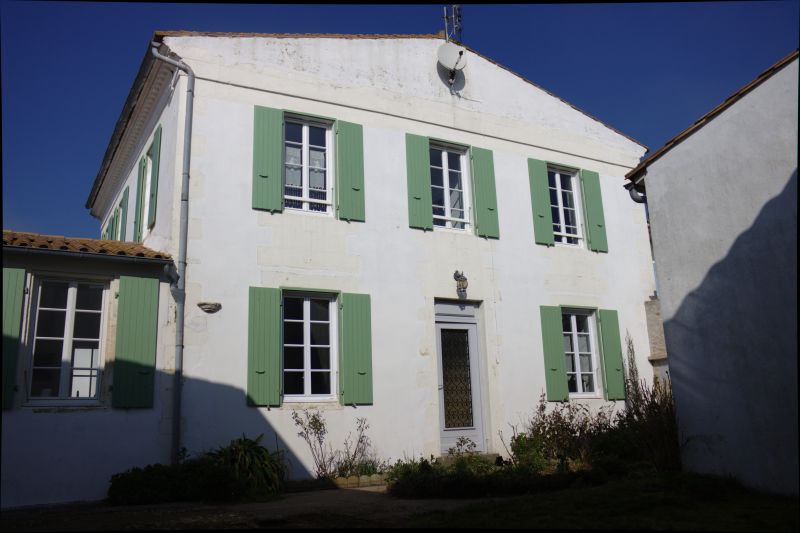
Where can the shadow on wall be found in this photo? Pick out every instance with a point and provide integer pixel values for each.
(732, 348)
(62, 454)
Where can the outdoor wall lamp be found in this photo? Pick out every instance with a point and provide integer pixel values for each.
(461, 284)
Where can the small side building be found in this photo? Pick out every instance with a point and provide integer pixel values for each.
(722, 198)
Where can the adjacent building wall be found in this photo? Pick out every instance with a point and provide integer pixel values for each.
(723, 208)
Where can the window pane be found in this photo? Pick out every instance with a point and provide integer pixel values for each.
(572, 384)
(566, 323)
(54, 294)
(84, 384)
(316, 179)
(457, 213)
(453, 161)
(294, 132)
(568, 343)
(455, 180)
(316, 158)
(553, 198)
(320, 334)
(566, 182)
(294, 178)
(87, 326)
(294, 155)
(569, 217)
(316, 136)
(320, 383)
(321, 208)
(293, 308)
(570, 362)
(588, 382)
(293, 333)
(320, 358)
(90, 297)
(85, 354)
(551, 179)
(438, 221)
(436, 157)
(44, 382)
(293, 358)
(566, 199)
(436, 177)
(438, 211)
(456, 200)
(572, 240)
(583, 323)
(586, 362)
(51, 324)
(319, 309)
(293, 204)
(556, 218)
(47, 353)
(293, 383)
(583, 343)
(557, 238)
(437, 195)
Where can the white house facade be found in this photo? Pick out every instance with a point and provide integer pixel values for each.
(338, 185)
(722, 197)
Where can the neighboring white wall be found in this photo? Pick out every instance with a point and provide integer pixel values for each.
(232, 247)
(59, 453)
(723, 208)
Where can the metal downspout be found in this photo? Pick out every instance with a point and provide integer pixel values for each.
(636, 196)
(180, 293)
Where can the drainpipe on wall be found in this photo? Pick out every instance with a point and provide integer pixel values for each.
(636, 196)
(180, 292)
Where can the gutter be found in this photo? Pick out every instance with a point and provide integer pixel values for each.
(87, 255)
(179, 291)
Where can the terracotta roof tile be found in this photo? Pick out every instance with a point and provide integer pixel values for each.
(99, 247)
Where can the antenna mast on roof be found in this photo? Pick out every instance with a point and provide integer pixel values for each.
(452, 19)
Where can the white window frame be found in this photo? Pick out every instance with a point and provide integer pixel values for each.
(466, 183)
(306, 199)
(333, 347)
(576, 199)
(592, 329)
(66, 350)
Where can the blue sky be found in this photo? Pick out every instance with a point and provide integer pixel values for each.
(649, 70)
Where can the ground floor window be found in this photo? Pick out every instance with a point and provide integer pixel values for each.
(66, 340)
(580, 351)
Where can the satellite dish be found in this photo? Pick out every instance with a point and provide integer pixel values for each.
(452, 57)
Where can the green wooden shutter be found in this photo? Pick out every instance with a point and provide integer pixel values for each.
(553, 345)
(612, 355)
(593, 206)
(13, 296)
(420, 204)
(114, 225)
(155, 157)
(483, 185)
(540, 203)
(268, 159)
(137, 216)
(355, 350)
(350, 171)
(136, 344)
(124, 219)
(264, 347)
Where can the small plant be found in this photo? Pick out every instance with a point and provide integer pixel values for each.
(464, 446)
(313, 430)
(256, 472)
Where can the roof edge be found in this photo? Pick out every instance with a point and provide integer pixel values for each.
(702, 121)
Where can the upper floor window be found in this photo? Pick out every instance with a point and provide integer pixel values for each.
(563, 206)
(67, 339)
(449, 188)
(579, 352)
(309, 348)
(307, 165)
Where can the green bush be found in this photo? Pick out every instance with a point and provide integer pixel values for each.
(242, 471)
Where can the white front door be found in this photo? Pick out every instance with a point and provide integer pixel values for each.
(460, 405)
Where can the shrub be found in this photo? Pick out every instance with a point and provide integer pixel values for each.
(243, 470)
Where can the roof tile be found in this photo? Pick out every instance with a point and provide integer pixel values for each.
(18, 239)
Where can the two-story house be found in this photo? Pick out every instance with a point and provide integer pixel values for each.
(336, 185)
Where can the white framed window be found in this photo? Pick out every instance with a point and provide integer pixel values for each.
(66, 341)
(450, 187)
(308, 169)
(580, 352)
(309, 348)
(564, 205)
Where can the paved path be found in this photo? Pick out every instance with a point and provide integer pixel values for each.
(363, 507)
